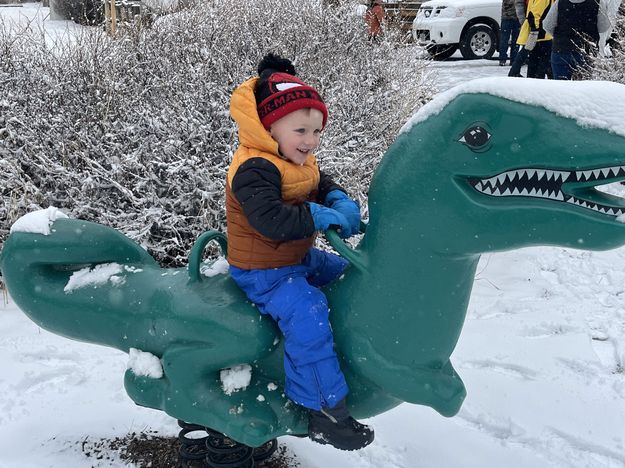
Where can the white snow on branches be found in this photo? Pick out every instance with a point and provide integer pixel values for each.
(611, 67)
(135, 133)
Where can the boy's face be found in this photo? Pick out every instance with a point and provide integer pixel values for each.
(298, 134)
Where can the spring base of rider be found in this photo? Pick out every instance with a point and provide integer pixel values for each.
(202, 447)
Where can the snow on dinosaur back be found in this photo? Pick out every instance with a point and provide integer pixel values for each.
(592, 104)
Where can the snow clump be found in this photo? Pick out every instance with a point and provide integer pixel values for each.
(96, 276)
(144, 364)
(235, 378)
(38, 222)
(219, 267)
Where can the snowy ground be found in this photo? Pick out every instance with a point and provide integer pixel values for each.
(34, 16)
(455, 70)
(541, 355)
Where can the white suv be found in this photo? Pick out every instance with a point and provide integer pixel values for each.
(443, 26)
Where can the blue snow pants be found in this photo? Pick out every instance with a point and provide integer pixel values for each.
(291, 296)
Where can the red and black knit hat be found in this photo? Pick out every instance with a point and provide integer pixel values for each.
(279, 92)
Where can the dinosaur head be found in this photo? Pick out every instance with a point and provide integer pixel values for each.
(498, 164)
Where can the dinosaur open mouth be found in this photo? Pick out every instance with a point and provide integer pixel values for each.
(575, 187)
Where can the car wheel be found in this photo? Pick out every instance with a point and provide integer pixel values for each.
(479, 42)
(442, 52)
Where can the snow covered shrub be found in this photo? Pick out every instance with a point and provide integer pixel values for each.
(135, 132)
(612, 67)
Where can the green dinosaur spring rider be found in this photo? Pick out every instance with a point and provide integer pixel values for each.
(483, 167)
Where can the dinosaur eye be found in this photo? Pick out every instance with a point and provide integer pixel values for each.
(476, 138)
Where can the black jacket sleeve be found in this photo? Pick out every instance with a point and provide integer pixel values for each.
(326, 185)
(257, 187)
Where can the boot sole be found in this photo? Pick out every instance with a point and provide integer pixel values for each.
(345, 447)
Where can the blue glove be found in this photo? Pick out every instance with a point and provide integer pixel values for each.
(327, 218)
(339, 201)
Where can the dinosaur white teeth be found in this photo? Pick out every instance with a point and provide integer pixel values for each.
(541, 174)
(562, 176)
(514, 183)
(599, 174)
(594, 207)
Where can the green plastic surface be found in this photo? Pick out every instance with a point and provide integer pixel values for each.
(398, 310)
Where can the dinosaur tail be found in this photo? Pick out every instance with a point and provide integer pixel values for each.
(36, 267)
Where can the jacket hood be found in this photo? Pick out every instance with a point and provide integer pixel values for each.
(243, 110)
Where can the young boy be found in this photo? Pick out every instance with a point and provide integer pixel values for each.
(276, 200)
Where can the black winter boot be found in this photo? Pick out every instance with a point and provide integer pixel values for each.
(334, 426)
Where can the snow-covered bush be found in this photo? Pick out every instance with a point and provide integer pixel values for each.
(135, 133)
(611, 67)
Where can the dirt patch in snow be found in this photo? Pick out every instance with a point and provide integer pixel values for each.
(149, 450)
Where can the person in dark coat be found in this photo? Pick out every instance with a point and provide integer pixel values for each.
(575, 26)
(510, 28)
(521, 56)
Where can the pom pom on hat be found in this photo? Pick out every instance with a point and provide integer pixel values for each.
(279, 92)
